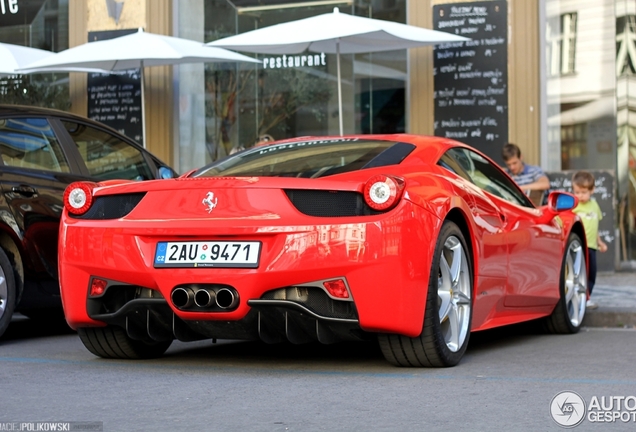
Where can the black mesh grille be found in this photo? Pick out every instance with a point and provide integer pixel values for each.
(111, 206)
(316, 300)
(323, 203)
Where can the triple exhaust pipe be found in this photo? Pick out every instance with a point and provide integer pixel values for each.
(205, 299)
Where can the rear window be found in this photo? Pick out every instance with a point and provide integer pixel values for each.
(309, 159)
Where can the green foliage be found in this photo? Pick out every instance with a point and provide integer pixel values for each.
(221, 90)
(44, 90)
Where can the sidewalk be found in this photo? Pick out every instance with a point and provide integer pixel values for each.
(615, 294)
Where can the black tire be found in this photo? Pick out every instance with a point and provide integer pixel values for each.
(113, 342)
(433, 348)
(567, 316)
(8, 292)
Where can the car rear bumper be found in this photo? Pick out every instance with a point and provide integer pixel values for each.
(384, 259)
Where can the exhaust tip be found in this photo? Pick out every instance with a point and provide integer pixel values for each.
(226, 298)
(182, 297)
(204, 298)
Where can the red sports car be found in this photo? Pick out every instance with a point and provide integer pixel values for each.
(416, 241)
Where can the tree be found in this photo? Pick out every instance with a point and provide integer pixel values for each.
(284, 93)
(222, 88)
(280, 94)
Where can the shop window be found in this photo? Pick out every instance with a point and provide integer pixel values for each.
(39, 24)
(295, 95)
(574, 145)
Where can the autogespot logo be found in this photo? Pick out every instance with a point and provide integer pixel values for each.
(567, 409)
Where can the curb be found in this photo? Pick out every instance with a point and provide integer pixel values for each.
(610, 317)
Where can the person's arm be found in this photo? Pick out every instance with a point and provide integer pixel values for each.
(542, 183)
(602, 247)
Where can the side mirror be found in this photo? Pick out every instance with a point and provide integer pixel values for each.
(557, 202)
(561, 201)
(166, 173)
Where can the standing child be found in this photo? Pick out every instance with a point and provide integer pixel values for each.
(590, 214)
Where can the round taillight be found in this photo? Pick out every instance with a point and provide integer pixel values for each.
(78, 197)
(382, 192)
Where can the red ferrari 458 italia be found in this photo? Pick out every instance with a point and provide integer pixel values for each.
(416, 241)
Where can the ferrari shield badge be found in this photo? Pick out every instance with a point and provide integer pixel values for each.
(210, 201)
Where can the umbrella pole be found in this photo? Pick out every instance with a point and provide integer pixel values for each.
(143, 108)
(339, 86)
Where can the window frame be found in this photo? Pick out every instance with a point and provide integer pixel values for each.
(63, 147)
(562, 33)
(153, 164)
(508, 184)
(151, 167)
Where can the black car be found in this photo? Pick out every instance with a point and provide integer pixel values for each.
(41, 152)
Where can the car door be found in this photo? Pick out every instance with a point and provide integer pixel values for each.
(489, 219)
(33, 174)
(106, 156)
(490, 237)
(534, 249)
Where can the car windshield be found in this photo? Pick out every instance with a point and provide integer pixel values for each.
(309, 159)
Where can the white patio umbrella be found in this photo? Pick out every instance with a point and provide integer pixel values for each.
(16, 56)
(335, 33)
(136, 50)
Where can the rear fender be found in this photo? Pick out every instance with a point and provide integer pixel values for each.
(450, 207)
(446, 198)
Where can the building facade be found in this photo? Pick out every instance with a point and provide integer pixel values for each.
(532, 76)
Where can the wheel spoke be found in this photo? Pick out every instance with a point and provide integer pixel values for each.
(453, 339)
(576, 304)
(581, 289)
(463, 299)
(570, 291)
(445, 305)
(444, 289)
(445, 274)
(4, 294)
(578, 255)
(456, 265)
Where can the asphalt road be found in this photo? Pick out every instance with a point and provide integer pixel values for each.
(506, 381)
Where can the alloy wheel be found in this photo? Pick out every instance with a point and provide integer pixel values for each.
(575, 285)
(4, 293)
(454, 294)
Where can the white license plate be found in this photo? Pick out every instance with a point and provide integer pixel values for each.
(208, 254)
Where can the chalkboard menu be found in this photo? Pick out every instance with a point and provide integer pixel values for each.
(471, 78)
(604, 195)
(115, 99)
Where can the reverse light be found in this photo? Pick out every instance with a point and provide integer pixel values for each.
(78, 197)
(382, 192)
(98, 287)
(337, 288)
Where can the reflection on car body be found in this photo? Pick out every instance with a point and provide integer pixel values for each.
(41, 152)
